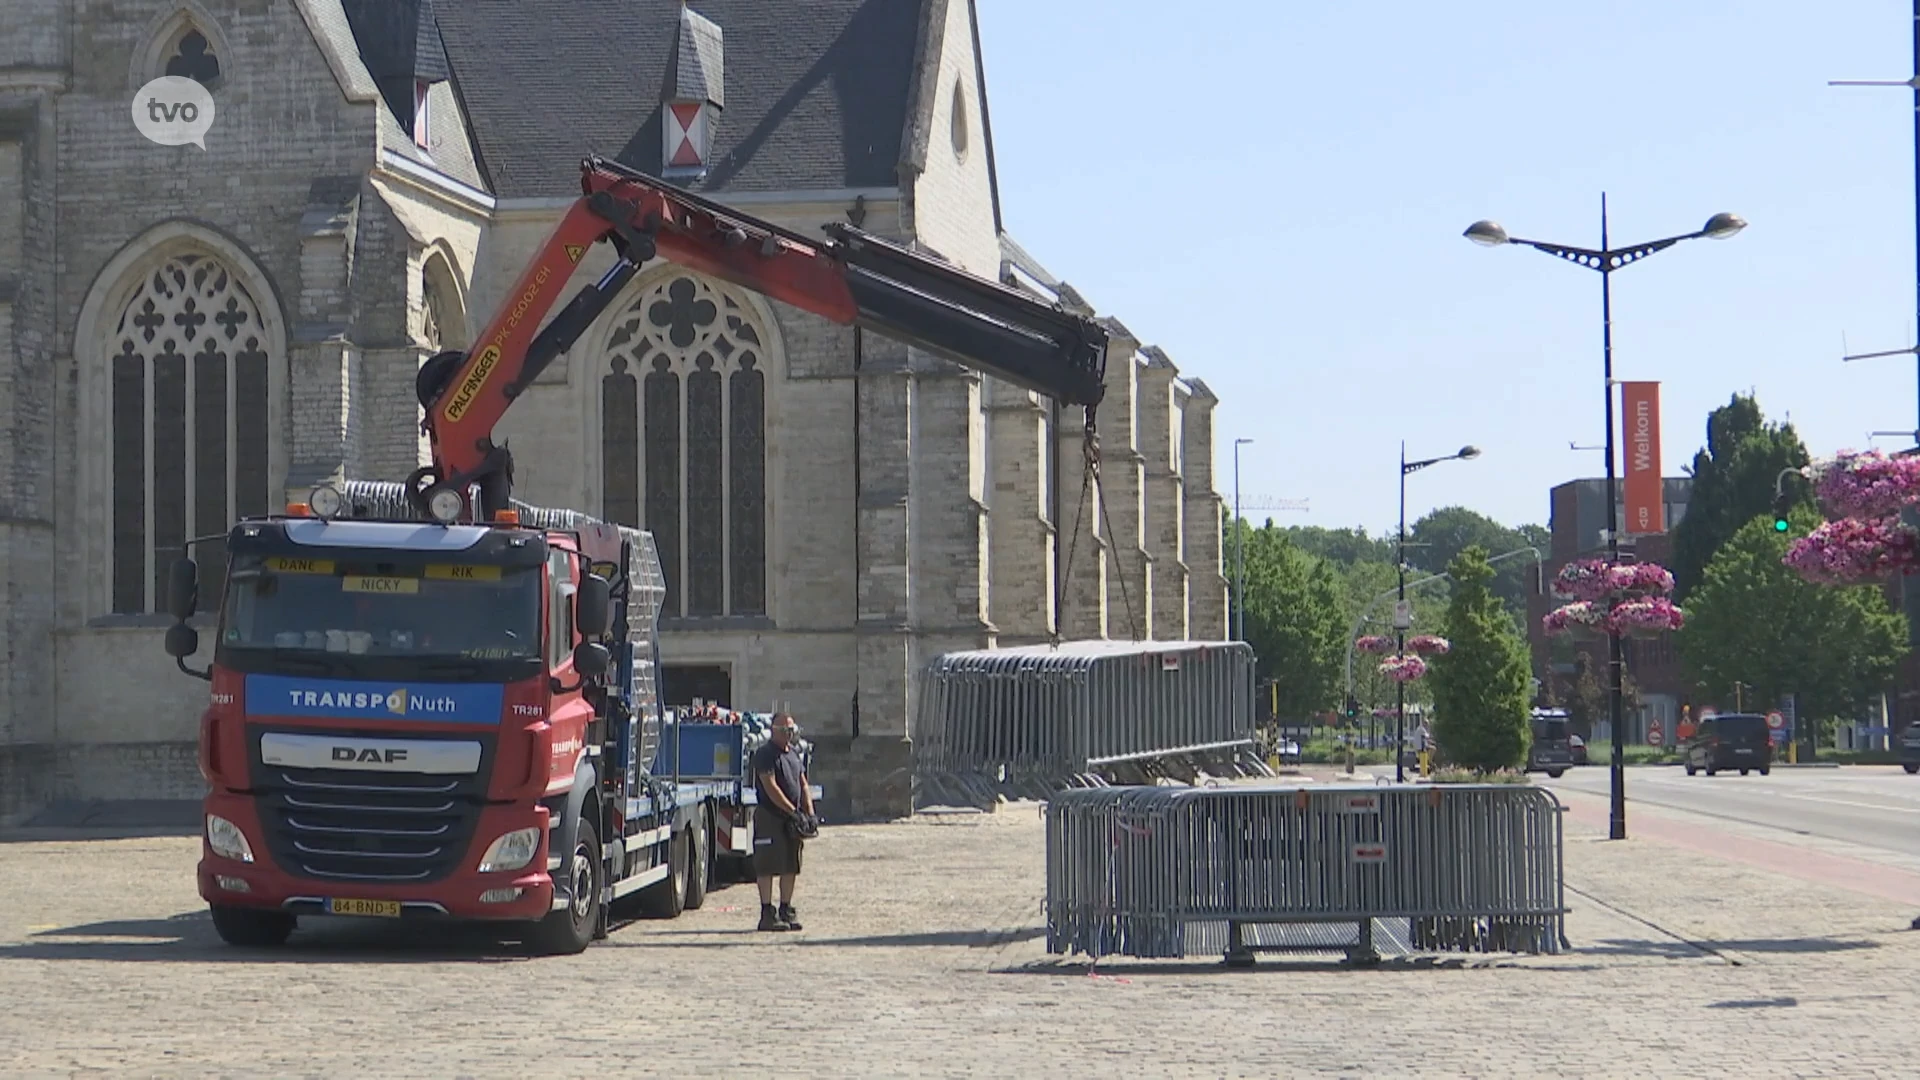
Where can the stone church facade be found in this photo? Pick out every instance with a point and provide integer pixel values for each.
(188, 336)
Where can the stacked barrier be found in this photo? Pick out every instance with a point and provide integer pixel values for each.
(1032, 720)
(1169, 872)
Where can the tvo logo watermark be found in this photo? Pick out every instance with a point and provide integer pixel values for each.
(173, 111)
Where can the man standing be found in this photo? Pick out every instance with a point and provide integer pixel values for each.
(784, 802)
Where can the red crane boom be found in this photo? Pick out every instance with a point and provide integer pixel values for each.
(853, 278)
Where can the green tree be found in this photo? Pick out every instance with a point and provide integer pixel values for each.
(1733, 478)
(1480, 688)
(1441, 535)
(1294, 623)
(1587, 701)
(1755, 621)
(1344, 547)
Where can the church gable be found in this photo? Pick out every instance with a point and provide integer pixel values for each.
(789, 97)
(948, 142)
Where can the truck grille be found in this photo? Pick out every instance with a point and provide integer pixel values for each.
(344, 825)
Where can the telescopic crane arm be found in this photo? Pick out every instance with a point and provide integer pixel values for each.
(854, 279)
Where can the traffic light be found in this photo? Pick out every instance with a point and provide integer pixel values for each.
(1353, 707)
(1782, 508)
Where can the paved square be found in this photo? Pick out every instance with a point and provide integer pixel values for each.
(924, 956)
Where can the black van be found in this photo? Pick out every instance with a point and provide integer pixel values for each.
(1730, 741)
(1552, 749)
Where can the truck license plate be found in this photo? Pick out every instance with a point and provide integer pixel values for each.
(385, 908)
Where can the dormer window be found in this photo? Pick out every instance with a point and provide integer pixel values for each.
(421, 130)
(694, 94)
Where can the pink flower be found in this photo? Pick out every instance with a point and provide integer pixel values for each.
(1404, 668)
(1585, 579)
(1581, 613)
(1644, 616)
(1853, 550)
(1430, 645)
(1869, 485)
(1596, 580)
(1373, 643)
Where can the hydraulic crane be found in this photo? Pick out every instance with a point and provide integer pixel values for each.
(853, 278)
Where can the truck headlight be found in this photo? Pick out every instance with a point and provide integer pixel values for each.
(225, 838)
(511, 851)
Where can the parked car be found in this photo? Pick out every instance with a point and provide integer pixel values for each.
(1730, 741)
(1578, 747)
(1910, 749)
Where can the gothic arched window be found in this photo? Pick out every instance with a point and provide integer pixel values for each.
(189, 401)
(683, 438)
(193, 57)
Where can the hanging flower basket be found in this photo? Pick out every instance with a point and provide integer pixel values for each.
(1374, 643)
(1645, 618)
(1586, 579)
(1430, 645)
(1869, 486)
(1404, 668)
(1851, 551)
(1579, 615)
(1640, 580)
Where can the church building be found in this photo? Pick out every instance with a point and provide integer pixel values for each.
(189, 335)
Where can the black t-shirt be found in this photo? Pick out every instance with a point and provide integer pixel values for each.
(785, 765)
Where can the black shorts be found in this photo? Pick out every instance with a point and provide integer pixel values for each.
(775, 850)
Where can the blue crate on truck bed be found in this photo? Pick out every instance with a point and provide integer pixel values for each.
(705, 751)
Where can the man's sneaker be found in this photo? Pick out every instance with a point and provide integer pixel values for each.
(770, 919)
(787, 915)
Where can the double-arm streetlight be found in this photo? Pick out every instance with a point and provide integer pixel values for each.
(1607, 260)
(1402, 615)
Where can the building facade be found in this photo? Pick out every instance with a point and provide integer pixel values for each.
(189, 335)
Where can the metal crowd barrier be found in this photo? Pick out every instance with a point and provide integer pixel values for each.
(1169, 872)
(1085, 713)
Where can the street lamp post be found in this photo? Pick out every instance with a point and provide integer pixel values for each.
(1607, 260)
(1401, 616)
(1239, 552)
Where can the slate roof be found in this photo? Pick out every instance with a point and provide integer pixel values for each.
(816, 91)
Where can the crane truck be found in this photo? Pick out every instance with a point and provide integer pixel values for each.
(429, 699)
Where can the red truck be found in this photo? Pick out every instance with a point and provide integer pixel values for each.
(430, 700)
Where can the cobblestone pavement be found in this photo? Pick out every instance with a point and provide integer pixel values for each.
(923, 956)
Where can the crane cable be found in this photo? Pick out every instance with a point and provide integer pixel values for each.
(1090, 484)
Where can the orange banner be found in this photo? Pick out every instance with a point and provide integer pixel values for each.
(1640, 431)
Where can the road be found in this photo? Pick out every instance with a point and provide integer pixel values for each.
(1871, 806)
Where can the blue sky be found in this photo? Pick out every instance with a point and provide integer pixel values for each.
(1274, 193)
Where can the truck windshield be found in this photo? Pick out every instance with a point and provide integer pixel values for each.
(375, 609)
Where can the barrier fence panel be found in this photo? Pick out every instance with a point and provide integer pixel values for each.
(1042, 717)
(1158, 872)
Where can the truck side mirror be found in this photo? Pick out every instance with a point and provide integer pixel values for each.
(591, 604)
(591, 659)
(183, 591)
(182, 641)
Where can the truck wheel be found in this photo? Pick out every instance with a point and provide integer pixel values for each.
(1911, 767)
(1555, 774)
(666, 898)
(571, 929)
(699, 864)
(252, 927)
